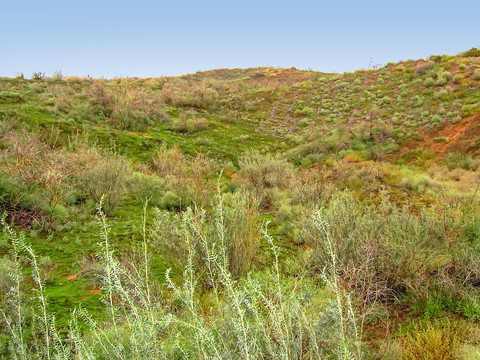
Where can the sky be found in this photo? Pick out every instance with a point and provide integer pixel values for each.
(154, 38)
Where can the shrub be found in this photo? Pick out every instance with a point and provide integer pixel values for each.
(435, 58)
(386, 100)
(435, 341)
(168, 162)
(446, 75)
(188, 125)
(106, 178)
(476, 74)
(171, 201)
(57, 75)
(422, 68)
(416, 183)
(308, 111)
(10, 97)
(429, 82)
(441, 81)
(473, 52)
(458, 160)
(261, 174)
(303, 123)
(418, 101)
(203, 141)
(38, 75)
(457, 79)
(442, 94)
(379, 248)
(263, 316)
(442, 139)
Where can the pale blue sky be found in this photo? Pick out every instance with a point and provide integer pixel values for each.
(153, 38)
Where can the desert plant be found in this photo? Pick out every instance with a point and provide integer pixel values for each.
(476, 74)
(106, 177)
(262, 173)
(439, 341)
(458, 160)
(57, 75)
(422, 68)
(263, 316)
(38, 75)
(458, 78)
(473, 52)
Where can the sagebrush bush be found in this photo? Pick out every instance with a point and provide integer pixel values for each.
(422, 68)
(186, 125)
(262, 174)
(234, 227)
(382, 250)
(106, 177)
(458, 160)
(262, 316)
(476, 74)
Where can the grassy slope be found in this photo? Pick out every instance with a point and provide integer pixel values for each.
(270, 110)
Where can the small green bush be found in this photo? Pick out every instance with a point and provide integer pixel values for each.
(476, 74)
(188, 125)
(473, 52)
(106, 178)
(10, 97)
(386, 100)
(429, 82)
(303, 123)
(457, 79)
(446, 75)
(307, 111)
(458, 160)
(435, 341)
(441, 81)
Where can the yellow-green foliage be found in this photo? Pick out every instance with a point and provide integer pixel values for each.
(435, 342)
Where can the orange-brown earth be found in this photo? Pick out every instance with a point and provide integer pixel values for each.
(461, 137)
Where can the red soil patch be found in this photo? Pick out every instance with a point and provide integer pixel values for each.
(464, 137)
(95, 291)
(147, 136)
(72, 277)
(281, 72)
(131, 133)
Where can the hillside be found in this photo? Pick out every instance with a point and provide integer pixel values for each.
(302, 214)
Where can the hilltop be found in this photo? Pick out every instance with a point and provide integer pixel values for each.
(217, 176)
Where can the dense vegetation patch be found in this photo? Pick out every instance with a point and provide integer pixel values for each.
(257, 213)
